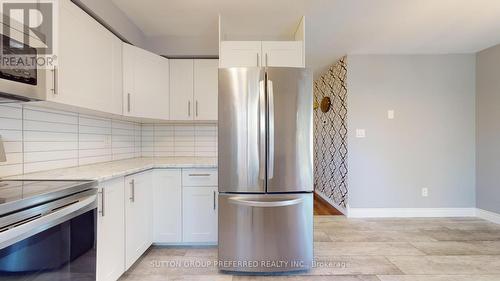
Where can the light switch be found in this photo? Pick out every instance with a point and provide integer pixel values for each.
(390, 114)
(360, 133)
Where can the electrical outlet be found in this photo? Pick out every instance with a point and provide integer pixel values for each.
(360, 133)
(425, 192)
(390, 114)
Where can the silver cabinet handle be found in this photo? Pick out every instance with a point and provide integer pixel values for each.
(266, 60)
(132, 190)
(263, 204)
(270, 104)
(196, 108)
(189, 108)
(262, 130)
(128, 102)
(258, 63)
(199, 175)
(214, 200)
(102, 202)
(54, 80)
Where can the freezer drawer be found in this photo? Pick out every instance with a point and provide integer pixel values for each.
(265, 233)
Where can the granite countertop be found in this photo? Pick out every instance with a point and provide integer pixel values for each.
(113, 169)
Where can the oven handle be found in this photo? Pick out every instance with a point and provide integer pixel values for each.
(47, 221)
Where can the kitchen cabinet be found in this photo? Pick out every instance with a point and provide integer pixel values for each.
(138, 215)
(193, 89)
(181, 89)
(261, 53)
(240, 54)
(145, 84)
(167, 204)
(282, 53)
(206, 89)
(110, 230)
(199, 206)
(89, 63)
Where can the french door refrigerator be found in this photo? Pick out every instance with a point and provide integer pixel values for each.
(265, 169)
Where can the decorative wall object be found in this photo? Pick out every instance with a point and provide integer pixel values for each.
(330, 136)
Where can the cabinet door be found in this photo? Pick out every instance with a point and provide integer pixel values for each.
(146, 84)
(282, 53)
(167, 204)
(181, 89)
(199, 214)
(110, 231)
(206, 83)
(85, 72)
(240, 54)
(138, 216)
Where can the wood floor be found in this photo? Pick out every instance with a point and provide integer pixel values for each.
(409, 249)
(323, 208)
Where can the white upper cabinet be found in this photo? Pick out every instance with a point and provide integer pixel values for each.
(193, 89)
(261, 53)
(240, 54)
(206, 88)
(145, 84)
(181, 89)
(89, 72)
(282, 53)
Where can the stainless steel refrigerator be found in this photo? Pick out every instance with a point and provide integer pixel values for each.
(265, 169)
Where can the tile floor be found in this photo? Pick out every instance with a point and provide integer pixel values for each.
(417, 249)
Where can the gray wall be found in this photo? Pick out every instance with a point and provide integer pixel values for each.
(116, 19)
(488, 129)
(430, 143)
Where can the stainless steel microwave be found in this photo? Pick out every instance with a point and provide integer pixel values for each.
(19, 82)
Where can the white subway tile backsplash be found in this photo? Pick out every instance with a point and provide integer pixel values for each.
(38, 139)
(165, 140)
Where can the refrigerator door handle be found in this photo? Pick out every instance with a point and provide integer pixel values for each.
(262, 130)
(264, 204)
(271, 128)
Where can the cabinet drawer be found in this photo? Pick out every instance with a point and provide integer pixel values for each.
(199, 177)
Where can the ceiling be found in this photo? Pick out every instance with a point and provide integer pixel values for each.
(333, 27)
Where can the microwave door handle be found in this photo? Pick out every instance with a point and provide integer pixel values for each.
(262, 130)
(30, 228)
(270, 103)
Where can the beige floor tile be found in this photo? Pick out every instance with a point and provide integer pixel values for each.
(447, 248)
(378, 236)
(307, 278)
(353, 265)
(447, 264)
(365, 248)
(165, 277)
(439, 278)
(464, 235)
(321, 236)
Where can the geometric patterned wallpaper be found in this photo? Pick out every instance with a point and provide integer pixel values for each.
(330, 135)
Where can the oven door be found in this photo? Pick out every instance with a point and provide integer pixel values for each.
(60, 245)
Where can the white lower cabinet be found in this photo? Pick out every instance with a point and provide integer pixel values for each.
(199, 214)
(167, 202)
(110, 231)
(138, 215)
(199, 205)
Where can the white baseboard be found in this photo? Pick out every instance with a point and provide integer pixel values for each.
(409, 212)
(487, 215)
(336, 206)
